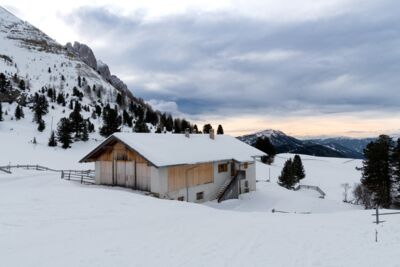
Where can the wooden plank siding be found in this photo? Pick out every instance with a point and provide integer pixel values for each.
(116, 164)
(196, 175)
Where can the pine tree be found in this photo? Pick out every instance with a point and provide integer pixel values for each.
(111, 121)
(1, 112)
(169, 125)
(119, 99)
(64, 133)
(220, 130)
(85, 132)
(206, 128)
(21, 85)
(40, 107)
(76, 121)
(61, 99)
(195, 129)
(126, 119)
(4, 83)
(265, 145)
(141, 127)
(177, 126)
(41, 125)
(377, 171)
(396, 171)
(19, 113)
(79, 81)
(286, 179)
(298, 169)
(52, 139)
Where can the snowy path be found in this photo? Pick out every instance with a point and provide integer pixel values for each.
(46, 221)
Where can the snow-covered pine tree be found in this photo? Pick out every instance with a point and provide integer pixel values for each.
(52, 140)
(298, 169)
(377, 171)
(111, 121)
(64, 133)
(40, 107)
(76, 121)
(286, 179)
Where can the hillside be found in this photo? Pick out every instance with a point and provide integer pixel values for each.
(36, 69)
(321, 147)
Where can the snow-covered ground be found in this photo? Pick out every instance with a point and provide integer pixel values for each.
(46, 221)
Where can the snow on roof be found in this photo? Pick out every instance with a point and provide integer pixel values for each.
(177, 149)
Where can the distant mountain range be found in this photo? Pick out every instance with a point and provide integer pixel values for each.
(340, 147)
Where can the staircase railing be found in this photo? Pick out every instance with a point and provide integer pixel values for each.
(232, 191)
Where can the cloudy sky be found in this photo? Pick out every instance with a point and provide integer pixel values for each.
(305, 67)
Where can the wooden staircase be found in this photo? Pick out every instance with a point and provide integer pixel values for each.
(230, 189)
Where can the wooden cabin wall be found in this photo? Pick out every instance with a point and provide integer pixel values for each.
(196, 175)
(116, 166)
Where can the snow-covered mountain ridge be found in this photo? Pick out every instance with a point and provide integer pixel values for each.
(334, 147)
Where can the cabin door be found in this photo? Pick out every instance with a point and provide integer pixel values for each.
(142, 177)
(120, 173)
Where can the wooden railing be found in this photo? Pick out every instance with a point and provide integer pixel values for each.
(84, 176)
(311, 187)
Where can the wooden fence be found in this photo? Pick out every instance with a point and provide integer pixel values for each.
(84, 176)
(311, 187)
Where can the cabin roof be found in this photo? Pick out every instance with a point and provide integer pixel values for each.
(176, 149)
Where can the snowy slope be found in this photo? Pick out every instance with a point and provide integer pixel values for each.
(46, 221)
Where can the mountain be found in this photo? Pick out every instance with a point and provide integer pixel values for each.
(288, 144)
(355, 144)
(33, 66)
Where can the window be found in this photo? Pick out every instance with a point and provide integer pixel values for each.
(181, 198)
(121, 156)
(223, 167)
(199, 195)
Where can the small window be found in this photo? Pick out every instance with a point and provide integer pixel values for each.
(199, 195)
(181, 198)
(245, 165)
(222, 167)
(122, 156)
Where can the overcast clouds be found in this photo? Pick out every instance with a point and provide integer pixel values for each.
(230, 60)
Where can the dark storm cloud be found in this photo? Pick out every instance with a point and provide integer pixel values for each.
(230, 64)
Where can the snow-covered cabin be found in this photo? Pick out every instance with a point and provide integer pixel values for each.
(187, 167)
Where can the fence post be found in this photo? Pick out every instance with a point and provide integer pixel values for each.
(81, 179)
(62, 174)
(377, 215)
(69, 176)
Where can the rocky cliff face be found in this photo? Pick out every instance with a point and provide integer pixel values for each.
(85, 53)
